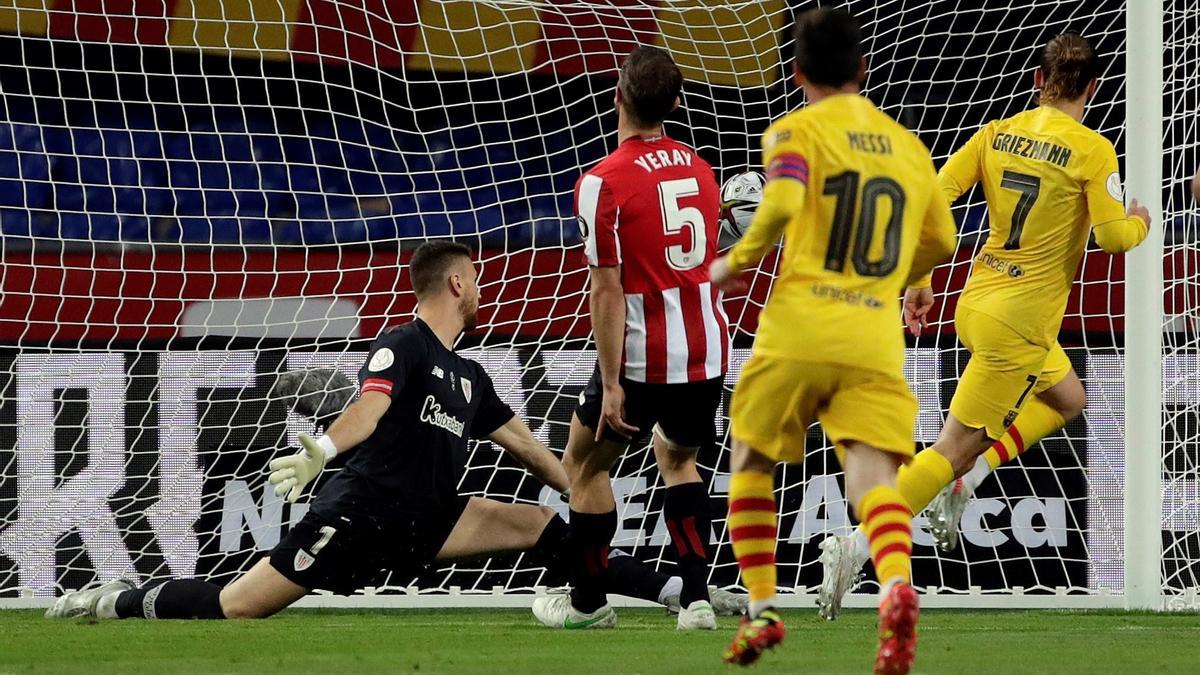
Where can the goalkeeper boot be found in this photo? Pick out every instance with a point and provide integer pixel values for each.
(898, 613)
(83, 603)
(697, 616)
(555, 611)
(945, 514)
(841, 566)
(724, 603)
(754, 637)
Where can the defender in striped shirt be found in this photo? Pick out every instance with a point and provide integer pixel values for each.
(648, 215)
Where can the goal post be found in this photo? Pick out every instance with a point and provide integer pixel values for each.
(1144, 316)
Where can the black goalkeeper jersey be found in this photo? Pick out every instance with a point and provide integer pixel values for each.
(411, 464)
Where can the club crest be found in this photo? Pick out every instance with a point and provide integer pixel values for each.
(466, 388)
(303, 560)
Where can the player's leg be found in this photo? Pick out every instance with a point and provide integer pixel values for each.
(870, 419)
(593, 523)
(686, 422)
(887, 521)
(259, 593)
(772, 406)
(1058, 397)
(487, 527)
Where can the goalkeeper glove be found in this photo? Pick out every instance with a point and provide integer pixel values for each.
(290, 474)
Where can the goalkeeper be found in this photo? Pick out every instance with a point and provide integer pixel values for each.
(395, 505)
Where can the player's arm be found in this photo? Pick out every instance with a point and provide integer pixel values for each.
(965, 167)
(516, 439)
(358, 421)
(1196, 186)
(386, 370)
(935, 245)
(1116, 229)
(497, 422)
(597, 211)
(783, 199)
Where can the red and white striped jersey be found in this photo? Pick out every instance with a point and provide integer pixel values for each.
(651, 207)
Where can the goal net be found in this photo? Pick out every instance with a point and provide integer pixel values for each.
(196, 202)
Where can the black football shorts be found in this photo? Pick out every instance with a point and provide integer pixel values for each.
(343, 553)
(685, 412)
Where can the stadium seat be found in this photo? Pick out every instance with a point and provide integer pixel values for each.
(14, 222)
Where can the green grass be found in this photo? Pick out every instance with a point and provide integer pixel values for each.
(644, 642)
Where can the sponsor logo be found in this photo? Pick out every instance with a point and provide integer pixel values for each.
(303, 560)
(1000, 265)
(583, 227)
(438, 372)
(1114, 187)
(466, 386)
(431, 413)
(381, 360)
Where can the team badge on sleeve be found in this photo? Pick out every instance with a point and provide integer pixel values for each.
(381, 360)
(1115, 189)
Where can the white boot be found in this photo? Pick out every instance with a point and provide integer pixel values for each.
(555, 611)
(83, 603)
(841, 567)
(697, 616)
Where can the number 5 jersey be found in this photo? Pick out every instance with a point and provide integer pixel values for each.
(651, 208)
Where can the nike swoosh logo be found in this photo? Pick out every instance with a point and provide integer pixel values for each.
(569, 624)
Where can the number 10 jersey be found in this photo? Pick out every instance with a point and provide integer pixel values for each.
(651, 207)
(865, 204)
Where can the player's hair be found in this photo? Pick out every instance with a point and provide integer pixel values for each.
(649, 82)
(430, 263)
(1068, 65)
(828, 46)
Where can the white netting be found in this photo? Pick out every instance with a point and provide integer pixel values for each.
(1181, 363)
(184, 222)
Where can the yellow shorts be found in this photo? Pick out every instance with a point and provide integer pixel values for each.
(1004, 371)
(776, 400)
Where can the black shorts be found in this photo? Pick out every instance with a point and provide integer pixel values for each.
(343, 553)
(686, 412)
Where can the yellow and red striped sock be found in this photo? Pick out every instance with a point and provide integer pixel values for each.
(752, 529)
(887, 522)
(1036, 421)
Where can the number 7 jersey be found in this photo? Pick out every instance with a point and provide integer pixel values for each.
(651, 208)
(866, 218)
(1048, 180)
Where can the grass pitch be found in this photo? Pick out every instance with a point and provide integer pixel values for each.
(645, 641)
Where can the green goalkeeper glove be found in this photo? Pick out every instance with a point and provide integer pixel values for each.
(290, 474)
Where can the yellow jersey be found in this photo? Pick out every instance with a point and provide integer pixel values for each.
(855, 196)
(1048, 180)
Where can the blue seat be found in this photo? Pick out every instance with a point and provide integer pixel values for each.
(14, 222)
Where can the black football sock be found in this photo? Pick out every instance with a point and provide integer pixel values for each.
(688, 521)
(553, 551)
(174, 599)
(626, 575)
(591, 535)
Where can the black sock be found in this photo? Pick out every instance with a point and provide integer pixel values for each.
(553, 552)
(591, 535)
(686, 512)
(626, 575)
(173, 599)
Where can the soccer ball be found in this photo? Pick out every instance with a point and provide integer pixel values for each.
(740, 196)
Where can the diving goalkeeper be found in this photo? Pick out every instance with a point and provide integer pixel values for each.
(395, 505)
